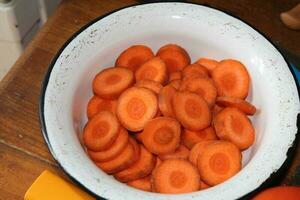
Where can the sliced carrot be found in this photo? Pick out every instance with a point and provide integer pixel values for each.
(216, 109)
(231, 78)
(208, 63)
(141, 168)
(115, 148)
(161, 135)
(218, 162)
(190, 138)
(240, 104)
(203, 185)
(134, 57)
(175, 83)
(154, 69)
(127, 157)
(233, 125)
(197, 150)
(175, 176)
(97, 104)
(111, 82)
(135, 107)
(142, 183)
(181, 152)
(139, 136)
(204, 87)
(149, 84)
(279, 193)
(101, 131)
(176, 58)
(158, 162)
(191, 110)
(174, 76)
(195, 71)
(165, 100)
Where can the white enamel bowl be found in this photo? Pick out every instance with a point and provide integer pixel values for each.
(202, 31)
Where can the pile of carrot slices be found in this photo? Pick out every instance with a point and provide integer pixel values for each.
(161, 124)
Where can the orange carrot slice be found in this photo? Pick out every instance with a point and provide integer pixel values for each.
(135, 107)
(142, 183)
(154, 69)
(175, 83)
(231, 78)
(111, 82)
(240, 104)
(216, 109)
(181, 152)
(161, 135)
(195, 71)
(176, 58)
(116, 147)
(101, 131)
(149, 84)
(218, 162)
(139, 136)
(204, 87)
(190, 138)
(233, 125)
(133, 57)
(191, 110)
(209, 64)
(97, 104)
(141, 168)
(174, 176)
(127, 157)
(197, 150)
(165, 100)
(203, 185)
(174, 76)
(279, 193)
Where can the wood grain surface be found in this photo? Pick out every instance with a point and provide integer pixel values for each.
(23, 153)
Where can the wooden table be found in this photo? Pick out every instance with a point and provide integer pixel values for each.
(23, 153)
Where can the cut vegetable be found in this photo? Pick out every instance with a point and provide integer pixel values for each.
(195, 71)
(209, 64)
(197, 150)
(174, 76)
(97, 104)
(149, 84)
(111, 82)
(142, 184)
(133, 57)
(190, 138)
(161, 135)
(135, 107)
(101, 131)
(175, 83)
(240, 104)
(191, 110)
(279, 193)
(174, 176)
(165, 100)
(216, 109)
(203, 185)
(233, 125)
(181, 152)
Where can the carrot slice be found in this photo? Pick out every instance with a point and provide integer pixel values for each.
(176, 58)
(149, 84)
(195, 71)
(218, 162)
(139, 136)
(240, 104)
(209, 64)
(233, 125)
(165, 100)
(204, 87)
(101, 131)
(197, 150)
(175, 176)
(127, 157)
(203, 185)
(142, 183)
(158, 162)
(154, 69)
(111, 82)
(141, 168)
(175, 83)
(181, 152)
(190, 138)
(231, 78)
(216, 109)
(116, 147)
(174, 76)
(135, 107)
(161, 135)
(133, 57)
(97, 104)
(279, 193)
(191, 110)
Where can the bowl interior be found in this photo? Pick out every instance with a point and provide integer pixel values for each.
(203, 32)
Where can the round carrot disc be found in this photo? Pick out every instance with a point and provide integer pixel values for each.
(209, 64)
(175, 76)
(240, 104)
(197, 150)
(111, 82)
(190, 138)
(195, 71)
(97, 104)
(149, 84)
(135, 107)
(101, 131)
(165, 100)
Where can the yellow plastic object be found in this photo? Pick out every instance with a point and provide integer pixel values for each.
(48, 186)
